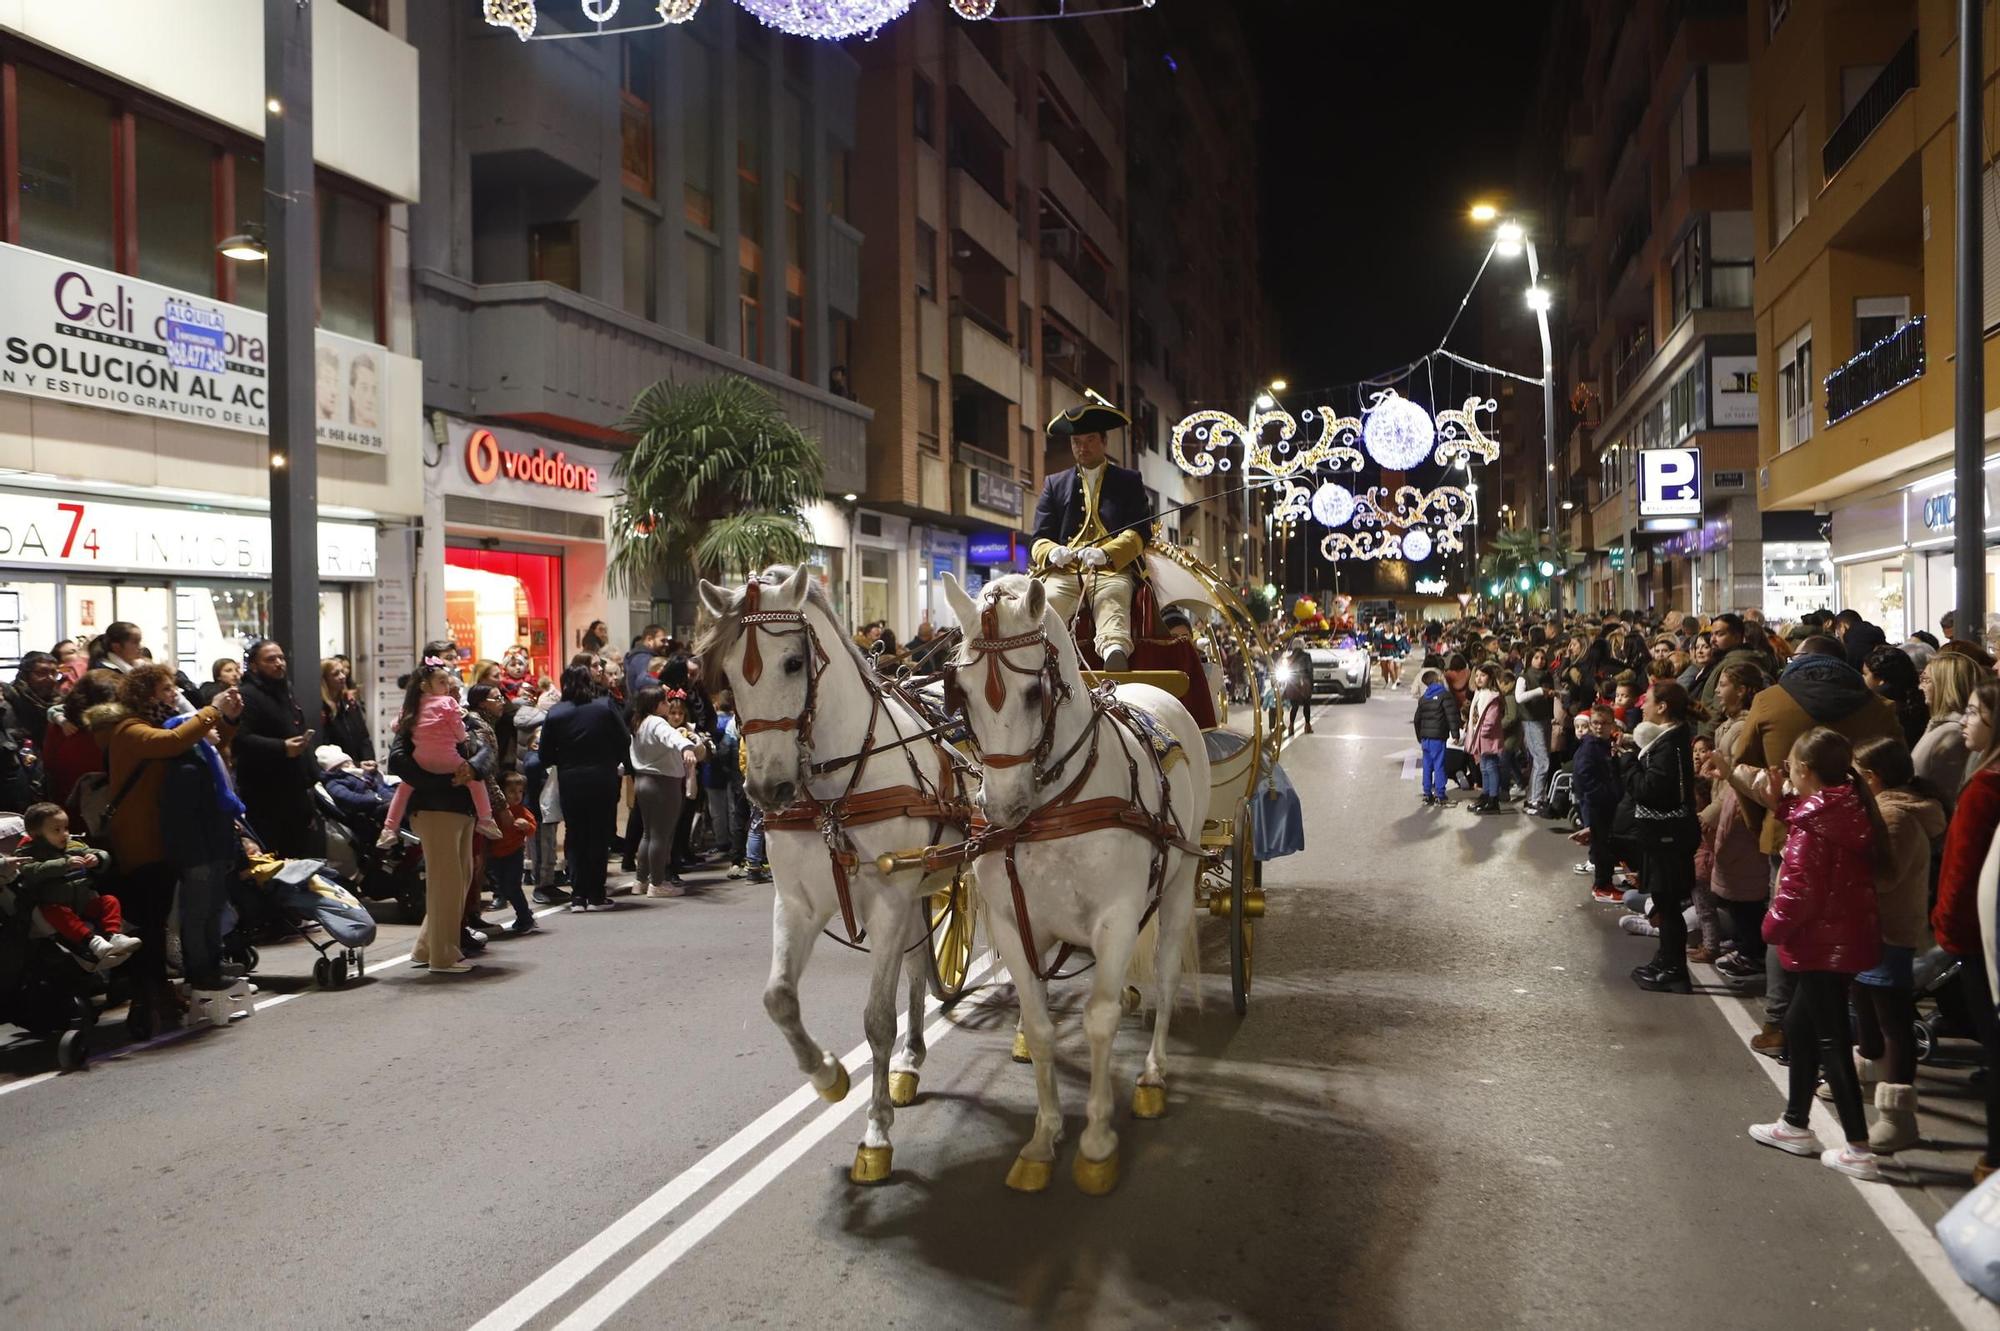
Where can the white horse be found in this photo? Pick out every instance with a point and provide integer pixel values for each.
(1059, 768)
(806, 700)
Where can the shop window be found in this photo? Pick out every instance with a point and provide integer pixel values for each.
(699, 257)
(28, 621)
(350, 246)
(874, 585)
(66, 196)
(641, 238)
(497, 599)
(555, 254)
(176, 182)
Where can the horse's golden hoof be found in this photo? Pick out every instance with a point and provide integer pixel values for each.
(1026, 1175)
(1021, 1048)
(902, 1089)
(837, 1092)
(1129, 1000)
(1149, 1101)
(871, 1165)
(1096, 1178)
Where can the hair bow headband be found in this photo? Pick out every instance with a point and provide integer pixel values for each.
(674, 695)
(437, 661)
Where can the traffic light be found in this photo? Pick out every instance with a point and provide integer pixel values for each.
(1526, 582)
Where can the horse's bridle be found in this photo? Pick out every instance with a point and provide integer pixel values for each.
(994, 648)
(755, 621)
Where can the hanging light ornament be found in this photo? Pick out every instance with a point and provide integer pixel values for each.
(677, 11)
(973, 9)
(1333, 505)
(1398, 432)
(1416, 545)
(826, 20)
(519, 15)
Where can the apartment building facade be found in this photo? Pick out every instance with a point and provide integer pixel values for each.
(133, 435)
(1853, 131)
(990, 182)
(603, 213)
(1197, 306)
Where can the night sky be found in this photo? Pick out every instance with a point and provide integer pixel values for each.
(1382, 120)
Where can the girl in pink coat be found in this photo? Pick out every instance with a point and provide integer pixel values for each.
(436, 730)
(1822, 921)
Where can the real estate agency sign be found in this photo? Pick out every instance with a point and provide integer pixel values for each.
(101, 339)
(83, 534)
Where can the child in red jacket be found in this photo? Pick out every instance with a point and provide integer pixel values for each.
(1822, 920)
(504, 857)
(1955, 917)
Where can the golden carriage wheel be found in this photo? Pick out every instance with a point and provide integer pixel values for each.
(951, 917)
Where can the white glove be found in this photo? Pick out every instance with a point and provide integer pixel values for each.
(1062, 557)
(1094, 557)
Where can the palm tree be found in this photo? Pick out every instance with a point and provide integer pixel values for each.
(718, 480)
(1517, 550)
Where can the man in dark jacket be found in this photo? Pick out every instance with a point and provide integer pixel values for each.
(1437, 723)
(1857, 636)
(1727, 647)
(1594, 783)
(1091, 525)
(275, 770)
(639, 661)
(33, 692)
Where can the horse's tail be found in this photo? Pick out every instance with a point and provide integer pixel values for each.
(1144, 970)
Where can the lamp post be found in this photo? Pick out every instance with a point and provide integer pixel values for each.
(1510, 239)
(289, 226)
(1969, 427)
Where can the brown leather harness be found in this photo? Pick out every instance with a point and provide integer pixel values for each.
(943, 805)
(1061, 816)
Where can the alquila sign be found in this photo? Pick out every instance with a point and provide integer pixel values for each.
(79, 334)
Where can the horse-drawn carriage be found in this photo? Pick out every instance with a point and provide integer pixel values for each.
(1078, 804)
(1242, 753)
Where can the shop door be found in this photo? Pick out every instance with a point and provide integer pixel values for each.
(497, 599)
(28, 621)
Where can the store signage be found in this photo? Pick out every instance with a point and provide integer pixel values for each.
(1432, 586)
(990, 547)
(1669, 482)
(76, 532)
(1728, 482)
(1616, 554)
(1732, 398)
(486, 461)
(103, 339)
(1940, 510)
(999, 493)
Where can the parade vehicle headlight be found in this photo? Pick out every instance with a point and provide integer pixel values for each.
(1284, 671)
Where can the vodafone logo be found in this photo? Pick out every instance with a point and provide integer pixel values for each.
(486, 462)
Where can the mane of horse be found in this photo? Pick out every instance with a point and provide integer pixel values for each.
(714, 635)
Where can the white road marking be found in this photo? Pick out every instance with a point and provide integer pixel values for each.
(1903, 1223)
(572, 1270)
(183, 1032)
(651, 1265)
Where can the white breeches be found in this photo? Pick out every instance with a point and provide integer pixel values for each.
(1110, 603)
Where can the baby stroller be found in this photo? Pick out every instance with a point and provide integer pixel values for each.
(306, 898)
(42, 989)
(1561, 799)
(1941, 1011)
(396, 874)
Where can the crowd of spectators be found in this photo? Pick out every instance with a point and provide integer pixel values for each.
(152, 792)
(1807, 808)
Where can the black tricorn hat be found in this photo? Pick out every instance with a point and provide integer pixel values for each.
(1088, 418)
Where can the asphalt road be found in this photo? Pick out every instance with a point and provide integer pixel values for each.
(1447, 1107)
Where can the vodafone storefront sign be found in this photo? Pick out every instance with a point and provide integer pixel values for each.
(486, 461)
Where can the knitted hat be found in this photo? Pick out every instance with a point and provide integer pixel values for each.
(331, 757)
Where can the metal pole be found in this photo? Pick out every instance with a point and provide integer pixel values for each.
(1548, 411)
(289, 230)
(1969, 433)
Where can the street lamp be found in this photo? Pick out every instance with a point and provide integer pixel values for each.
(1484, 212)
(1510, 239)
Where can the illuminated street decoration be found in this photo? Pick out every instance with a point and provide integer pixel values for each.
(823, 20)
(1332, 505)
(1398, 432)
(1416, 545)
(1420, 523)
(1459, 435)
(1216, 435)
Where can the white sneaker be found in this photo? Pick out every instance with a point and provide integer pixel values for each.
(1582, 870)
(456, 968)
(1638, 924)
(1853, 1163)
(123, 945)
(488, 829)
(1799, 1141)
(102, 952)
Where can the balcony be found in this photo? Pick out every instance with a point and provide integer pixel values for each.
(982, 86)
(1075, 198)
(985, 220)
(1061, 293)
(536, 351)
(1898, 78)
(1873, 374)
(1069, 85)
(979, 355)
(1629, 369)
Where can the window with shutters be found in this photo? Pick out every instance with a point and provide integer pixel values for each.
(1791, 165)
(1795, 390)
